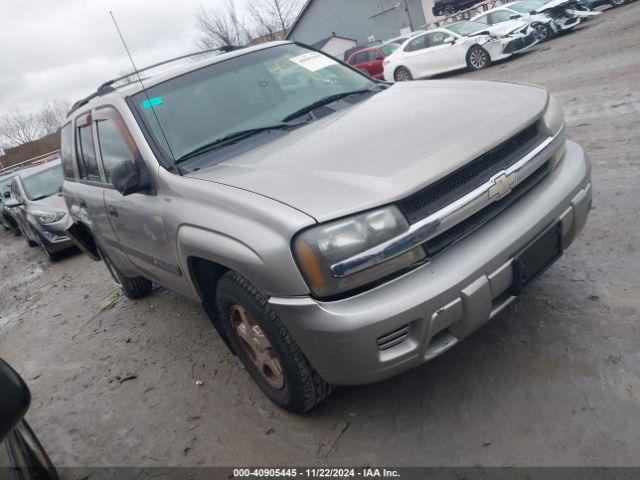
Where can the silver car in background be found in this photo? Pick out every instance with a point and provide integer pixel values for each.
(327, 248)
(39, 210)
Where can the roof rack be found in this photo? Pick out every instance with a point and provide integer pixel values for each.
(108, 87)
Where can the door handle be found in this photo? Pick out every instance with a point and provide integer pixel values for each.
(83, 204)
(113, 211)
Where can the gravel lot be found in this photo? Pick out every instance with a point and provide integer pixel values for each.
(553, 381)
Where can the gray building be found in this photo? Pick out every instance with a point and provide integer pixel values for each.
(357, 19)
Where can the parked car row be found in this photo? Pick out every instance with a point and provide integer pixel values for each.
(488, 37)
(32, 205)
(451, 7)
(323, 252)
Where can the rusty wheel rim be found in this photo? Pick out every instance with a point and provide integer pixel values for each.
(257, 346)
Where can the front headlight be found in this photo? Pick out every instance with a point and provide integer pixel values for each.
(320, 247)
(553, 118)
(46, 218)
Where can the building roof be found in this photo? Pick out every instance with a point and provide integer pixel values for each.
(323, 42)
(295, 22)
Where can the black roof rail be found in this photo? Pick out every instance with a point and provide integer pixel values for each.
(107, 87)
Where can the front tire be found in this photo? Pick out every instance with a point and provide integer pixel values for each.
(543, 32)
(51, 256)
(30, 243)
(132, 287)
(478, 58)
(402, 74)
(265, 347)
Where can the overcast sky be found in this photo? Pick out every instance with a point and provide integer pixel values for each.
(66, 48)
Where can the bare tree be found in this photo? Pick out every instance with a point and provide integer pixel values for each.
(53, 114)
(221, 27)
(273, 17)
(19, 127)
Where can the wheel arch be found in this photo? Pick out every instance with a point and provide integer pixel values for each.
(83, 238)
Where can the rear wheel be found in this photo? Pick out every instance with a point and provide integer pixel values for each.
(478, 58)
(543, 32)
(266, 349)
(402, 74)
(132, 287)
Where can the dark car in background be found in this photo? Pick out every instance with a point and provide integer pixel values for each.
(370, 59)
(41, 214)
(449, 7)
(6, 219)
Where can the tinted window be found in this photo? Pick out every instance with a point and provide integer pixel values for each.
(465, 27)
(66, 151)
(375, 55)
(417, 43)
(361, 57)
(87, 155)
(483, 19)
(113, 147)
(500, 16)
(43, 184)
(437, 38)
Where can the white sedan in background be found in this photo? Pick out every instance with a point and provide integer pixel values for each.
(456, 46)
(522, 11)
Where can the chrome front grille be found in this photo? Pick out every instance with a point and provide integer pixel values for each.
(394, 338)
(468, 211)
(462, 181)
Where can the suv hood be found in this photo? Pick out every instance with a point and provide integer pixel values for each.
(383, 148)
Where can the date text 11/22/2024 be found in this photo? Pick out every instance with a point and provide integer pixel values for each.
(315, 472)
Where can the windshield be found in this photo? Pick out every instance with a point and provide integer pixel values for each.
(246, 92)
(465, 28)
(526, 7)
(44, 183)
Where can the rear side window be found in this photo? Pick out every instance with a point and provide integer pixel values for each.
(417, 43)
(85, 151)
(66, 151)
(361, 57)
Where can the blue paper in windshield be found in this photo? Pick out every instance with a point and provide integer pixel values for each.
(152, 102)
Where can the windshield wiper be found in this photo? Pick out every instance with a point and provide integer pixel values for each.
(232, 138)
(325, 101)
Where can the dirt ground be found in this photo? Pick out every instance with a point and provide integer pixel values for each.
(553, 381)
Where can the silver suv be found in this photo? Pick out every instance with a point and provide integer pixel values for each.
(337, 230)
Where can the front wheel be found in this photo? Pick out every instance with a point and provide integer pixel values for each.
(478, 58)
(30, 243)
(51, 256)
(617, 3)
(402, 74)
(543, 32)
(266, 349)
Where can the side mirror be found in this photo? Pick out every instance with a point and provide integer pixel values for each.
(11, 203)
(6, 194)
(450, 40)
(516, 16)
(15, 398)
(128, 178)
(533, 12)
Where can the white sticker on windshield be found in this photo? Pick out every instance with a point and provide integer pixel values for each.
(313, 61)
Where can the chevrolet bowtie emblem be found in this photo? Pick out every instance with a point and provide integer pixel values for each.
(502, 184)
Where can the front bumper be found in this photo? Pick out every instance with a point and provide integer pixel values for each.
(55, 235)
(428, 310)
(520, 43)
